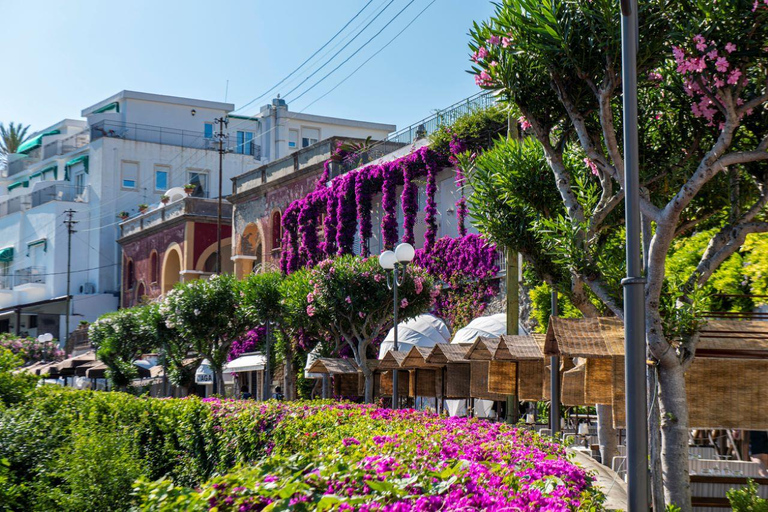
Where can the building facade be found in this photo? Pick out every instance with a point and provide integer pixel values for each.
(129, 151)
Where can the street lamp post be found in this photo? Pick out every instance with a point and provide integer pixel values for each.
(634, 283)
(395, 261)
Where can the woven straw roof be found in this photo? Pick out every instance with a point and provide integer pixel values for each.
(444, 353)
(392, 360)
(337, 366)
(520, 348)
(732, 335)
(483, 348)
(417, 358)
(585, 337)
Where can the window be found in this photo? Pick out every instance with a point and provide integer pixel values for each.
(244, 143)
(309, 136)
(36, 252)
(161, 177)
(208, 130)
(293, 139)
(200, 180)
(130, 175)
(129, 275)
(277, 235)
(153, 268)
(79, 183)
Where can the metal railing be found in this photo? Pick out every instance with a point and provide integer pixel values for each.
(20, 164)
(169, 136)
(423, 128)
(51, 192)
(29, 275)
(6, 282)
(196, 206)
(67, 145)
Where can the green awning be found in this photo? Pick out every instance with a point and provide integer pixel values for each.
(112, 107)
(18, 184)
(6, 255)
(42, 241)
(73, 162)
(35, 174)
(35, 142)
(51, 168)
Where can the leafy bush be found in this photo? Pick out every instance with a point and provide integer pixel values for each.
(478, 129)
(30, 349)
(746, 499)
(13, 387)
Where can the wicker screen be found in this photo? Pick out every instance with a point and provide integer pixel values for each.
(572, 391)
(531, 380)
(346, 384)
(599, 382)
(478, 382)
(426, 382)
(386, 383)
(619, 405)
(502, 377)
(457, 380)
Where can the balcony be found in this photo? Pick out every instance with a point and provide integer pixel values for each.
(6, 282)
(29, 275)
(188, 206)
(46, 193)
(67, 145)
(170, 136)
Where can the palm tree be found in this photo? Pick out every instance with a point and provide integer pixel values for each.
(12, 137)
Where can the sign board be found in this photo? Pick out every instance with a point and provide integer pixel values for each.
(204, 373)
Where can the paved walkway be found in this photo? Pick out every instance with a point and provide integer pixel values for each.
(608, 481)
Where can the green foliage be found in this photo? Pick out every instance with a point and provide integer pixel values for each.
(12, 137)
(207, 313)
(14, 387)
(120, 338)
(261, 297)
(541, 304)
(478, 129)
(747, 498)
(30, 349)
(755, 268)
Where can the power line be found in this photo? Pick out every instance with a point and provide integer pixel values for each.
(308, 59)
(348, 43)
(355, 53)
(372, 56)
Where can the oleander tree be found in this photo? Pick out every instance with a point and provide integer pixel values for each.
(350, 299)
(208, 314)
(703, 129)
(120, 337)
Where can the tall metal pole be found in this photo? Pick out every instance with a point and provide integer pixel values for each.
(395, 390)
(554, 381)
(267, 384)
(70, 230)
(634, 283)
(221, 122)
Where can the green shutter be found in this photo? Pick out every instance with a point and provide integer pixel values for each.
(75, 161)
(51, 168)
(112, 107)
(24, 183)
(6, 255)
(35, 142)
(42, 241)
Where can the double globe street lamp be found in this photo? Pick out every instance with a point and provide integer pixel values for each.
(394, 263)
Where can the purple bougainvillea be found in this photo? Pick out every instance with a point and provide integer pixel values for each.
(249, 342)
(430, 209)
(409, 200)
(347, 214)
(363, 199)
(307, 219)
(388, 205)
(329, 222)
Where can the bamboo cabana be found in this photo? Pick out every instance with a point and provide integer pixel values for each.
(348, 379)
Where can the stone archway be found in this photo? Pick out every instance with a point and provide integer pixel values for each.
(207, 260)
(171, 268)
(250, 250)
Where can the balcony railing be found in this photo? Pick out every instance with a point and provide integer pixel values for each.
(29, 275)
(421, 129)
(6, 282)
(44, 194)
(67, 145)
(21, 164)
(169, 136)
(194, 206)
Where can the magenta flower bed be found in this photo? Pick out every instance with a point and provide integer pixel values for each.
(356, 457)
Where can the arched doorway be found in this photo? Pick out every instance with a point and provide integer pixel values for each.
(207, 260)
(171, 269)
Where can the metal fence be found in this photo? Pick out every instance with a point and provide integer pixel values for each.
(170, 136)
(420, 130)
(29, 275)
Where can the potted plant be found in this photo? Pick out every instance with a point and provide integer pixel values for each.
(189, 188)
(123, 215)
(164, 199)
(143, 207)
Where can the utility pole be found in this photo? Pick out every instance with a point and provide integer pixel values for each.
(554, 379)
(70, 223)
(513, 291)
(222, 122)
(634, 283)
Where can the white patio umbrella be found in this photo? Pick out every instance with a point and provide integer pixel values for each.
(422, 331)
(490, 326)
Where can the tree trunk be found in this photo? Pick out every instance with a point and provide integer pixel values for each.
(674, 436)
(218, 387)
(606, 434)
(368, 383)
(290, 374)
(654, 442)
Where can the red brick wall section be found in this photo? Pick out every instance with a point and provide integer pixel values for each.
(205, 236)
(140, 252)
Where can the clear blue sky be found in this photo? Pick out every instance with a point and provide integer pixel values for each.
(69, 55)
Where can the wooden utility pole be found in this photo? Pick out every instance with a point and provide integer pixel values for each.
(222, 122)
(70, 223)
(513, 292)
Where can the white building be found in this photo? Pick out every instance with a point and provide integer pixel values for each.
(129, 150)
